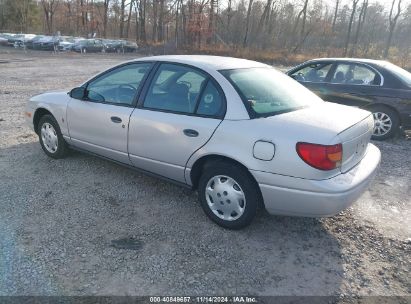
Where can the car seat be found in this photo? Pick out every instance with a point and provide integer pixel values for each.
(349, 77)
(312, 75)
(339, 77)
(179, 101)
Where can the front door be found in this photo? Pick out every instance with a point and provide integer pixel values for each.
(314, 76)
(99, 123)
(178, 115)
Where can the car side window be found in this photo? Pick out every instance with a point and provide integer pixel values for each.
(118, 86)
(355, 74)
(315, 72)
(211, 102)
(175, 88)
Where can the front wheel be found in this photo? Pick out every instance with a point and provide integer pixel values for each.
(386, 122)
(51, 139)
(228, 195)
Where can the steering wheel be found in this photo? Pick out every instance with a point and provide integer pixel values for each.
(188, 84)
(299, 77)
(120, 96)
(127, 85)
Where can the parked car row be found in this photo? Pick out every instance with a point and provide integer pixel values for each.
(67, 43)
(105, 45)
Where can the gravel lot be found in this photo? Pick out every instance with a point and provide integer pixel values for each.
(58, 219)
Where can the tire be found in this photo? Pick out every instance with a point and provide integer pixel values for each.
(233, 204)
(50, 137)
(386, 121)
(84, 51)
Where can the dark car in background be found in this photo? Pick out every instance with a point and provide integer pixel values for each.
(119, 46)
(42, 43)
(378, 86)
(88, 46)
(112, 46)
(130, 47)
(30, 42)
(50, 43)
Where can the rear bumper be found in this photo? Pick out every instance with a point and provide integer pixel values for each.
(302, 197)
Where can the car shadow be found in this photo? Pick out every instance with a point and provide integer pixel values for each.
(65, 214)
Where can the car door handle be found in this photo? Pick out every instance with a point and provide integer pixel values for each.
(116, 119)
(190, 132)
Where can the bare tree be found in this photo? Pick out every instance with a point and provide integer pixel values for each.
(298, 40)
(211, 21)
(347, 39)
(130, 10)
(304, 10)
(49, 7)
(142, 20)
(247, 22)
(265, 16)
(361, 19)
(122, 15)
(160, 20)
(392, 23)
(337, 3)
(105, 17)
(229, 14)
(154, 22)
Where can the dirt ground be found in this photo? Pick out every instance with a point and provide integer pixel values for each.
(58, 219)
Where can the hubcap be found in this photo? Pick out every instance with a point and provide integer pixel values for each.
(49, 137)
(225, 197)
(382, 123)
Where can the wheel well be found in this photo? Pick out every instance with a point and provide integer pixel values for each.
(369, 108)
(208, 160)
(38, 115)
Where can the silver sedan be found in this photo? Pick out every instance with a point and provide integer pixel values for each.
(240, 132)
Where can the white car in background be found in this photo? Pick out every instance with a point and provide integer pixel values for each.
(240, 132)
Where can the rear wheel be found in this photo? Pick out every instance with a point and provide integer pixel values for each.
(51, 139)
(228, 195)
(386, 122)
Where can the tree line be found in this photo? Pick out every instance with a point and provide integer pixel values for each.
(380, 29)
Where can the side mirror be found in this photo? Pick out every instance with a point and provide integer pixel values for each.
(78, 93)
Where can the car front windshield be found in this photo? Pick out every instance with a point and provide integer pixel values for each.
(268, 92)
(402, 74)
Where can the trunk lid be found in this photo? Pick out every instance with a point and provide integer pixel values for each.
(355, 142)
(326, 124)
(350, 126)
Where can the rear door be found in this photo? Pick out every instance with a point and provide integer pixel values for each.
(314, 76)
(353, 84)
(179, 111)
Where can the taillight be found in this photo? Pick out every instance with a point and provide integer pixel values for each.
(321, 157)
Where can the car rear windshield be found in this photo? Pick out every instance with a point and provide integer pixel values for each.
(268, 92)
(402, 74)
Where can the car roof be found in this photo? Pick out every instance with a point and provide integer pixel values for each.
(206, 61)
(360, 60)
